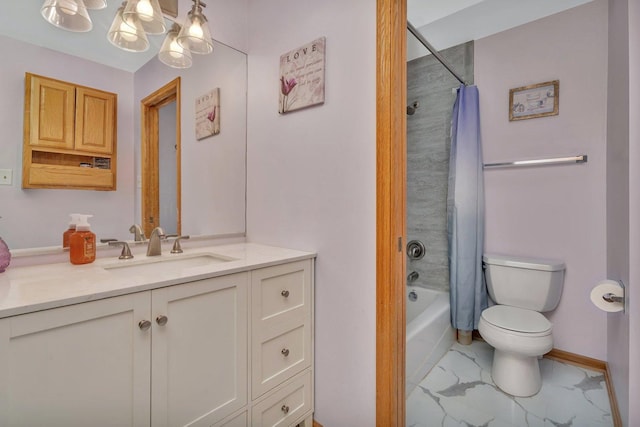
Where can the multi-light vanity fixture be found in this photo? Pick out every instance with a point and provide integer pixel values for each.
(133, 21)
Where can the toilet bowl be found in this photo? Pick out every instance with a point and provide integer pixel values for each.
(522, 288)
(519, 337)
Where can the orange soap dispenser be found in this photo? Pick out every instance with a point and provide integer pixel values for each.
(82, 243)
(70, 230)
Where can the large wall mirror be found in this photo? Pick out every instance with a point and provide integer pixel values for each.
(213, 170)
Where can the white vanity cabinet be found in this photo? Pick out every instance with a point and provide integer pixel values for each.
(282, 344)
(199, 356)
(80, 365)
(116, 362)
(227, 347)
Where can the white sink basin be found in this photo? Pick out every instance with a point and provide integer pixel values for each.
(164, 264)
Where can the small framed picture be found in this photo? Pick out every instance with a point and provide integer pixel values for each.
(530, 102)
(208, 114)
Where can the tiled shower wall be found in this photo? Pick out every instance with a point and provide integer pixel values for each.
(428, 144)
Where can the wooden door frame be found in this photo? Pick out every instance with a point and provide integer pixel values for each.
(391, 211)
(149, 122)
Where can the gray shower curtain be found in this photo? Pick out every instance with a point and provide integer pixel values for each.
(465, 213)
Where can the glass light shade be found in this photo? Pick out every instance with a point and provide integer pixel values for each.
(172, 53)
(69, 15)
(127, 33)
(149, 14)
(95, 4)
(195, 34)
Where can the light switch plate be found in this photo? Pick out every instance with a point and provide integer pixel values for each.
(6, 176)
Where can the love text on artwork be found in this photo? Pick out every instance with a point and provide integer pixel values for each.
(304, 51)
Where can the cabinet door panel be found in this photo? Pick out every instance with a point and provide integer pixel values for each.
(199, 357)
(78, 365)
(95, 118)
(52, 106)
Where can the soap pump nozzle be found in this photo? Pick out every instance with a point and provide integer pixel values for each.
(75, 218)
(83, 222)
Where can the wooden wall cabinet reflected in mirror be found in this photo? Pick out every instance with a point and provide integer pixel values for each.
(69, 136)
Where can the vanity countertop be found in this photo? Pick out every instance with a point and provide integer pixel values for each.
(41, 287)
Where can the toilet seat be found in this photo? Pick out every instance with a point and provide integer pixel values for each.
(515, 320)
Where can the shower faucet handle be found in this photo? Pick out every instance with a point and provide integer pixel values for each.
(415, 250)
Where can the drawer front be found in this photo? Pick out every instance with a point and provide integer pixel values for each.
(281, 291)
(69, 176)
(281, 322)
(285, 405)
(278, 358)
(235, 421)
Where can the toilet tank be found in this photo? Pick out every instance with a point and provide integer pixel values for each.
(531, 283)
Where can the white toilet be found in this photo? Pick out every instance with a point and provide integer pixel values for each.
(521, 288)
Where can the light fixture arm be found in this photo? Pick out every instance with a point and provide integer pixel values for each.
(197, 7)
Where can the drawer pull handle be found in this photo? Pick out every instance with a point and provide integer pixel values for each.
(285, 352)
(162, 320)
(144, 325)
(285, 293)
(285, 409)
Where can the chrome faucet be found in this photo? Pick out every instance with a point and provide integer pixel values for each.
(155, 242)
(138, 234)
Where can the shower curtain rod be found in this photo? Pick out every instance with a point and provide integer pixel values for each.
(433, 50)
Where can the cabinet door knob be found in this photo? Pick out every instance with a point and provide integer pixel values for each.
(285, 352)
(285, 409)
(285, 293)
(144, 325)
(162, 320)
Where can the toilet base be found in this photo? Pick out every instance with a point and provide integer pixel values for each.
(515, 374)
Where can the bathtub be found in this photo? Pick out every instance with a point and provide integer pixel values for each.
(429, 332)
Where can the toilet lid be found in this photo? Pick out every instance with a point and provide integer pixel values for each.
(516, 319)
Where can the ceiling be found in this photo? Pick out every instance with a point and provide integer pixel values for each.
(21, 20)
(446, 23)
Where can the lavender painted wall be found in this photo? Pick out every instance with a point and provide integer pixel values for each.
(633, 286)
(24, 223)
(554, 211)
(228, 20)
(311, 185)
(618, 194)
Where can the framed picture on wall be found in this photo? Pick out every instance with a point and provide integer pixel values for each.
(533, 101)
(208, 114)
(302, 77)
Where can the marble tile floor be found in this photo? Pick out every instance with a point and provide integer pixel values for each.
(459, 391)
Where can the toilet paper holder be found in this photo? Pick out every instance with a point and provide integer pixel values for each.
(612, 298)
(609, 295)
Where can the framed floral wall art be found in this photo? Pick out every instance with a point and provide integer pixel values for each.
(208, 114)
(302, 77)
